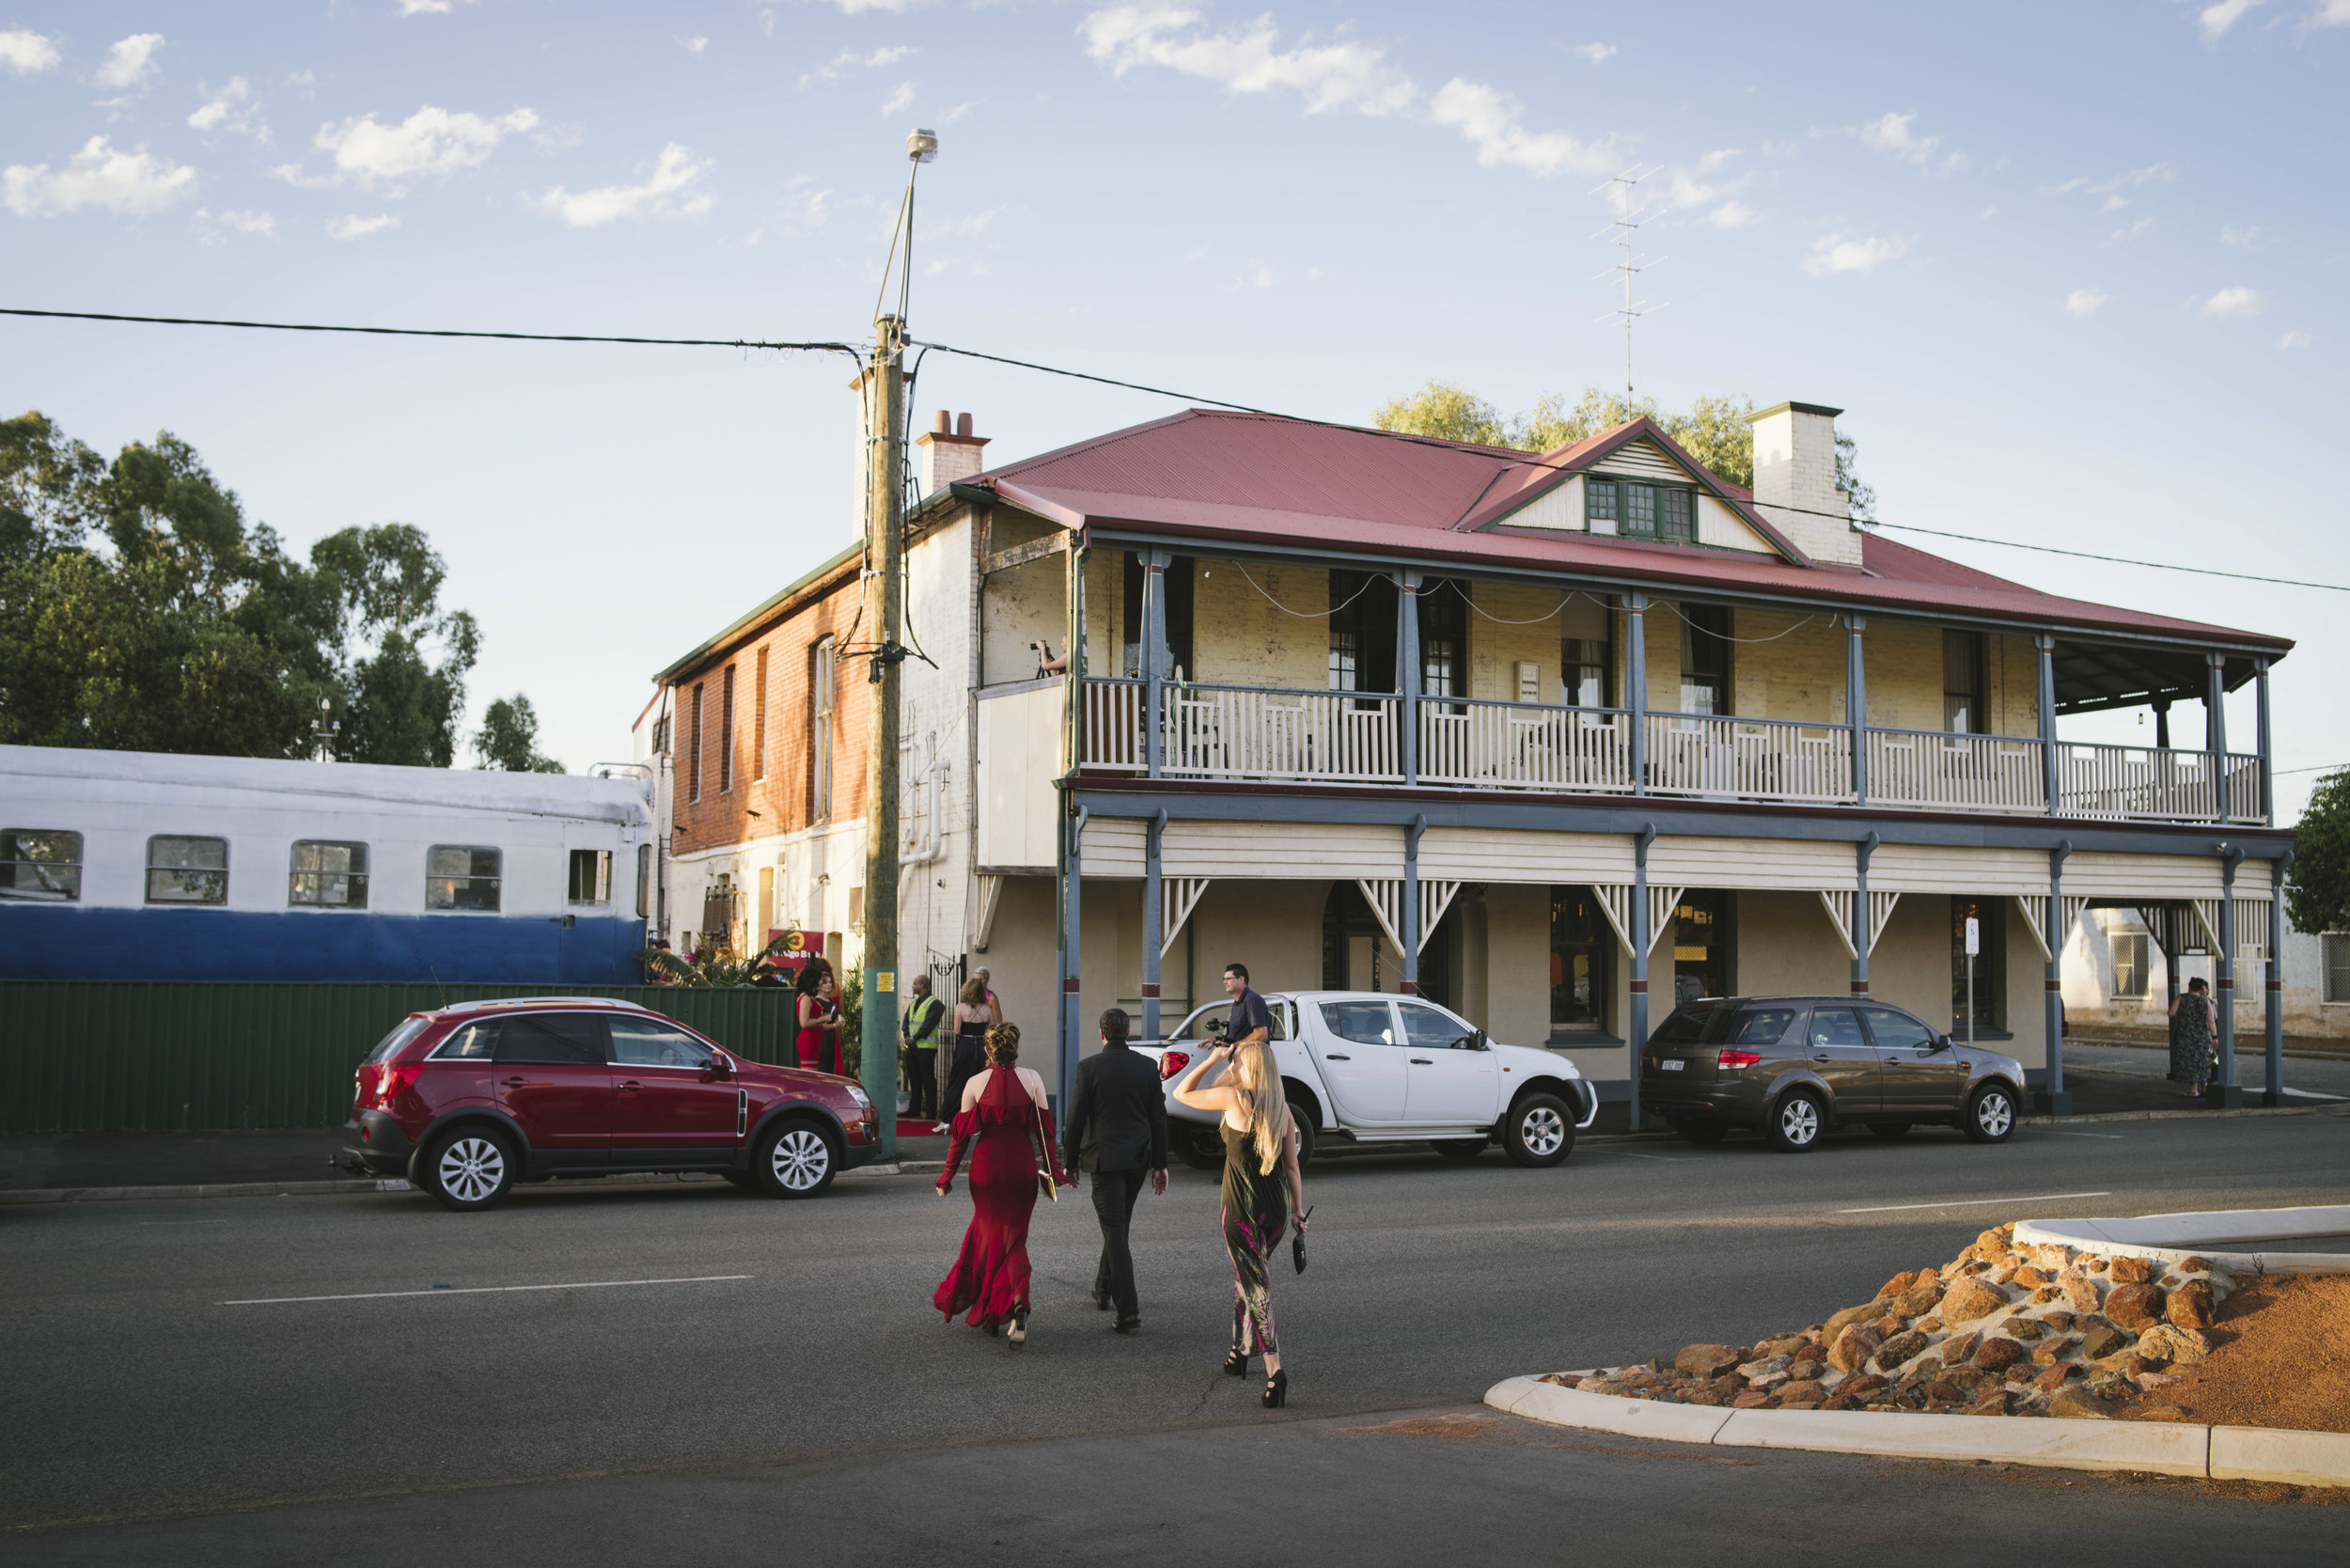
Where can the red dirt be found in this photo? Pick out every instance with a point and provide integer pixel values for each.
(2281, 1357)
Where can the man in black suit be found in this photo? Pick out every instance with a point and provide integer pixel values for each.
(1118, 1130)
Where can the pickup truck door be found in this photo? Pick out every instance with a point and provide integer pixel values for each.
(1358, 1047)
(1449, 1081)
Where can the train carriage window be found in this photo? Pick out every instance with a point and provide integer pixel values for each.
(187, 870)
(40, 863)
(328, 875)
(462, 876)
(591, 876)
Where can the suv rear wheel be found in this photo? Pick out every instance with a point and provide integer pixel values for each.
(795, 1159)
(467, 1168)
(1798, 1123)
(1460, 1149)
(1540, 1130)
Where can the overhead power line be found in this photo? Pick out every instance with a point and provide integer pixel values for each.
(1527, 459)
(433, 332)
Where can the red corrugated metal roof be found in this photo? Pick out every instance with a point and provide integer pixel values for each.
(1208, 474)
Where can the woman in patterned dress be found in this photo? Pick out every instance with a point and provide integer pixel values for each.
(2194, 1032)
(1263, 1188)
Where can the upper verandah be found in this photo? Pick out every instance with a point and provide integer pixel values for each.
(1285, 485)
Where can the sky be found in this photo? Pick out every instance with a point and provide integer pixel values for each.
(2075, 273)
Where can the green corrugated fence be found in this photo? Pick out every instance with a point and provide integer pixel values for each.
(151, 1055)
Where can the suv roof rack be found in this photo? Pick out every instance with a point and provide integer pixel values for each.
(481, 1003)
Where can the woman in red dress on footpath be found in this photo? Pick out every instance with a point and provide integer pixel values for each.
(1003, 1109)
(818, 1005)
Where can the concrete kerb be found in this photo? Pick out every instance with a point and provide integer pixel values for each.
(2162, 1448)
(331, 1189)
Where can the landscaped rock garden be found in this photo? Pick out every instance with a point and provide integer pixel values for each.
(2000, 1330)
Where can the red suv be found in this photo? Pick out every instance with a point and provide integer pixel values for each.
(466, 1101)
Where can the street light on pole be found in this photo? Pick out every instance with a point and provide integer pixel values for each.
(884, 385)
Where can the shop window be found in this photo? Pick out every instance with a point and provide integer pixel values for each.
(1701, 939)
(1582, 964)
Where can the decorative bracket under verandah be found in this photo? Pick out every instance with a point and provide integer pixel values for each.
(1614, 901)
(1178, 896)
(1386, 897)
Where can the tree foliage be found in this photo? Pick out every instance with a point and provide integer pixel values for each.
(140, 610)
(1713, 431)
(2317, 894)
(509, 738)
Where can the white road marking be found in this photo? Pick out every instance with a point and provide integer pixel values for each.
(2310, 1094)
(490, 1290)
(1972, 1202)
(1669, 1159)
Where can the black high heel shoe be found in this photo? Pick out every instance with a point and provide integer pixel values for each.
(1236, 1364)
(1276, 1390)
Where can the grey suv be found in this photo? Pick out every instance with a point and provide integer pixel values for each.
(1794, 1066)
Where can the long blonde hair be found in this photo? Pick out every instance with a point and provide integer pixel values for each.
(1257, 1085)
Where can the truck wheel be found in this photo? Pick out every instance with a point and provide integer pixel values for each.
(1303, 1119)
(1197, 1146)
(1459, 1148)
(1539, 1132)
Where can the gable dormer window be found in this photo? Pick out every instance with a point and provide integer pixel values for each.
(1639, 510)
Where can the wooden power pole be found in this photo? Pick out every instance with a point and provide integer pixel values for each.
(884, 613)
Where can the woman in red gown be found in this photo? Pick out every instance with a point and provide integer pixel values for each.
(1003, 1110)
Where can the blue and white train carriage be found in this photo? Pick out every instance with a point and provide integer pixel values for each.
(123, 864)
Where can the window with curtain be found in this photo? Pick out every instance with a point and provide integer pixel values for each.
(1962, 683)
(2132, 974)
(1585, 680)
(1444, 639)
(821, 667)
(1362, 632)
(1705, 659)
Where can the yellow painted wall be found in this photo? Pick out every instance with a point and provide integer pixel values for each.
(1905, 675)
(1023, 606)
(1788, 947)
(1241, 638)
(1797, 675)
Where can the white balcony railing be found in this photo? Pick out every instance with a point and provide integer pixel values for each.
(1742, 759)
(1519, 746)
(1955, 772)
(1246, 733)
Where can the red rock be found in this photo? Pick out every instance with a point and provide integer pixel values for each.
(1853, 1348)
(2053, 1351)
(1754, 1398)
(1896, 1285)
(1807, 1388)
(1861, 1386)
(2053, 1378)
(2046, 1293)
(2134, 1306)
(1849, 1316)
(1991, 1404)
(2189, 1305)
(2061, 1322)
(2029, 1277)
(2194, 1265)
(2131, 1271)
(2100, 1339)
(1898, 1349)
(1970, 1299)
(2097, 1265)
(1918, 1300)
(1992, 1241)
(2079, 1405)
(1996, 1354)
(1707, 1361)
(1839, 1401)
(2080, 1293)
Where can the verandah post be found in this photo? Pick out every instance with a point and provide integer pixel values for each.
(2273, 1021)
(1635, 698)
(1153, 915)
(1636, 1035)
(1857, 715)
(1407, 676)
(2046, 645)
(2215, 733)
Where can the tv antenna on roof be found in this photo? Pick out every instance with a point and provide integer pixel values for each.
(1627, 226)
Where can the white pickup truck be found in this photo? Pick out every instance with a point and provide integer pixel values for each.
(1365, 1067)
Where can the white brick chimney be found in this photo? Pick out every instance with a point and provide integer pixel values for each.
(1795, 481)
(948, 455)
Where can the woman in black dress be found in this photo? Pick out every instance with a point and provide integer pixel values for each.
(1263, 1189)
(973, 1017)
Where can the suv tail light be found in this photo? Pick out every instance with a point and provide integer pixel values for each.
(1737, 1059)
(1172, 1062)
(393, 1081)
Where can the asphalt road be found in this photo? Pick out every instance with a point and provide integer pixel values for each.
(818, 1400)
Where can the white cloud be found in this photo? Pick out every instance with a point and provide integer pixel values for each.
(899, 100)
(2215, 19)
(209, 224)
(305, 83)
(1344, 73)
(667, 193)
(1596, 52)
(2085, 302)
(430, 141)
(849, 59)
(25, 51)
(1891, 134)
(1489, 118)
(2153, 174)
(1341, 75)
(2331, 13)
(2123, 236)
(131, 63)
(1839, 253)
(2295, 339)
(233, 108)
(694, 45)
(428, 7)
(2233, 301)
(858, 8)
(1734, 214)
(100, 175)
(356, 227)
(2247, 238)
